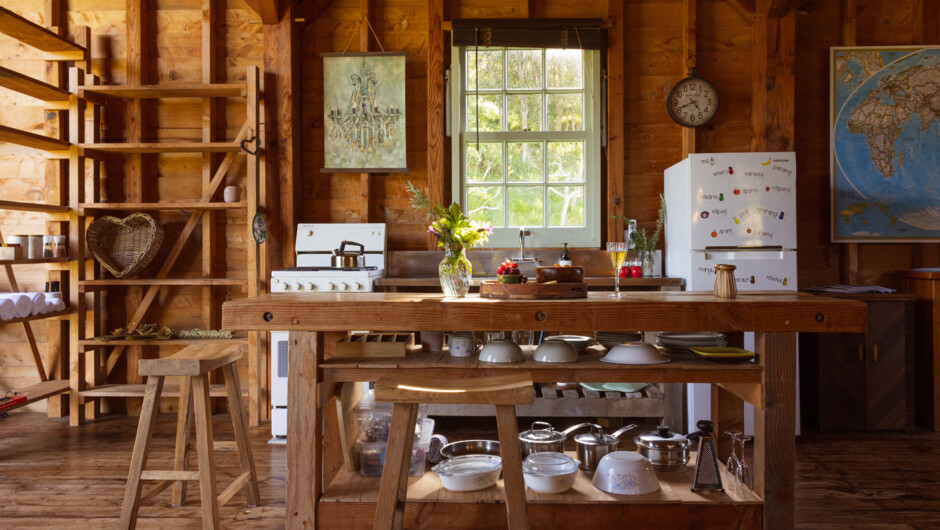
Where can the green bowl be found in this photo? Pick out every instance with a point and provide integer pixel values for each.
(509, 278)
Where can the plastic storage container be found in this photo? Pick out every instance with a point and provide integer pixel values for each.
(372, 454)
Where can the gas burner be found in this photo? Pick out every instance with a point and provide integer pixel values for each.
(339, 269)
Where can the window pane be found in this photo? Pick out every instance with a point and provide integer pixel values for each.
(565, 162)
(485, 164)
(525, 206)
(525, 68)
(491, 69)
(525, 112)
(563, 67)
(566, 206)
(564, 112)
(485, 204)
(491, 107)
(525, 162)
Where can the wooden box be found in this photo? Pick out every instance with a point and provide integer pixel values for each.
(375, 345)
(493, 289)
(11, 252)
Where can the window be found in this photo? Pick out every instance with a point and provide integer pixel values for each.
(526, 144)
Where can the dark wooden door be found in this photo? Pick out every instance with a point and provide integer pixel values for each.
(885, 398)
(841, 382)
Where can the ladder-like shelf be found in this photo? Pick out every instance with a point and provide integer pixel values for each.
(219, 90)
(32, 140)
(39, 37)
(170, 205)
(55, 314)
(167, 147)
(91, 285)
(41, 390)
(92, 344)
(32, 207)
(34, 261)
(25, 84)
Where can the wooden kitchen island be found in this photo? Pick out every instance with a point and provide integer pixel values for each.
(319, 492)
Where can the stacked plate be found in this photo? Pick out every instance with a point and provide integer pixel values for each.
(609, 339)
(681, 341)
(579, 342)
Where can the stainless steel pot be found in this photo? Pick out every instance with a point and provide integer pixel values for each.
(593, 445)
(348, 258)
(542, 440)
(666, 451)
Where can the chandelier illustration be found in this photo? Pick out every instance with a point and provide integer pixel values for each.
(362, 125)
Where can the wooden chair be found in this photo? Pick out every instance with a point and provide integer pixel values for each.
(407, 391)
(193, 365)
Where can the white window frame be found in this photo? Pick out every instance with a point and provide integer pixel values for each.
(587, 236)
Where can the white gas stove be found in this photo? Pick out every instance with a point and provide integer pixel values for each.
(314, 274)
(314, 247)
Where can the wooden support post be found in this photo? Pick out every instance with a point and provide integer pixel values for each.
(138, 46)
(365, 11)
(615, 120)
(305, 450)
(688, 49)
(55, 125)
(728, 415)
(92, 299)
(435, 106)
(772, 84)
(76, 240)
(775, 428)
(254, 287)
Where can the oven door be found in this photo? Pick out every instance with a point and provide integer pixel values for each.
(279, 342)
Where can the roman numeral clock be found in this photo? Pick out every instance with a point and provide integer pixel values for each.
(693, 101)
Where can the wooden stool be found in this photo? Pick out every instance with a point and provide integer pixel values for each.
(406, 391)
(193, 364)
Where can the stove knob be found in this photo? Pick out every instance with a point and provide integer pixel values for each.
(357, 286)
(343, 286)
(285, 286)
(295, 286)
(331, 286)
(311, 286)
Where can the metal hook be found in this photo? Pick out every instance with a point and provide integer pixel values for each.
(690, 67)
(247, 141)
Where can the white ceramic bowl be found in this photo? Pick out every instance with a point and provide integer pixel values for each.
(549, 472)
(555, 351)
(634, 353)
(625, 473)
(501, 351)
(470, 472)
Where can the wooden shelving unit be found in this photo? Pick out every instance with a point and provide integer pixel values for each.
(56, 97)
(218, 157)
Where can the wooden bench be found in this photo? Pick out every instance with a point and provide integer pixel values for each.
(193, 364)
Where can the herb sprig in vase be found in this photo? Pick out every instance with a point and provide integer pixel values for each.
(455, 233)
(645, 243)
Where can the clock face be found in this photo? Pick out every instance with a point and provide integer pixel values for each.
(692, 102)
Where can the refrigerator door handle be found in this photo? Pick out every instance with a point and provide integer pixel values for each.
(712, 255)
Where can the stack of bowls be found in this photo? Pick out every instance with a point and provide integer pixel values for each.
(609, 339)
(579, 342)
(681, 341)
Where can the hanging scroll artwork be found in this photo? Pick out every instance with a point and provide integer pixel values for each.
(364, 112)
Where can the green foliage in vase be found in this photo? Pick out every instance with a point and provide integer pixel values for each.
(643, 240)
(454, 230)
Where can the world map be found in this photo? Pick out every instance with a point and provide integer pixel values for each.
(885, 143)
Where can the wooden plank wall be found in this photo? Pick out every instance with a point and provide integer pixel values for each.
(819, 26)
(175, 48)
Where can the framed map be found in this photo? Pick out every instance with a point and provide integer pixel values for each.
(364, 112)
(885, 142)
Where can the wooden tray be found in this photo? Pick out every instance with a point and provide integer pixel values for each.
(375, 345)
(494, 289)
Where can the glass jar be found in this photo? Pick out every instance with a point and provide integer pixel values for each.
(58, 247)
(455, 272)
(46, 246)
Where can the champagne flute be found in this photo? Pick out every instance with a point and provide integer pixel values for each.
(616, 251)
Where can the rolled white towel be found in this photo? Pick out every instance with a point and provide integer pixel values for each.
(7, 308)
(37, 302)
(54, 304)
(24, 306)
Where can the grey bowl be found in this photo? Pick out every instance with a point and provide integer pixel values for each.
(470, 447)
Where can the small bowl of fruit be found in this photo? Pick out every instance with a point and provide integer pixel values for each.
(508, 272)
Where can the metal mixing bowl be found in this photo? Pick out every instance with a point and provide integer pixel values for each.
(470, 447)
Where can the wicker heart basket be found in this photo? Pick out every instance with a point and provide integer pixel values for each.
(124, 246)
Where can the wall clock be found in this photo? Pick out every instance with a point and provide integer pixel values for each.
(693, 101)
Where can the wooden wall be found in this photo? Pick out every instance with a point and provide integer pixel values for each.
(820, 25)
(650, 34)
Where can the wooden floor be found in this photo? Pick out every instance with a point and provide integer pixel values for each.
(56, 476)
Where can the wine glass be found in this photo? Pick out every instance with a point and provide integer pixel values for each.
(743, 474)
(733, 461)
(616, 251)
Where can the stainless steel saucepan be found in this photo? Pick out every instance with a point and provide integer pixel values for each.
(594, 445)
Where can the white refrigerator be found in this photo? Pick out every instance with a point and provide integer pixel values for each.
(735, 208)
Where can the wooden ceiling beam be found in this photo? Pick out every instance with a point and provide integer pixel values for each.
(745, 8)
(268, 10)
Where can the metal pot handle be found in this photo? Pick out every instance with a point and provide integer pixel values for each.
(545, 423)
(362, 248)
(622, 430)
(573, 428)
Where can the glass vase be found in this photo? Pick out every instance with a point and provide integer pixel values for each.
(455, 272)
(651, 262)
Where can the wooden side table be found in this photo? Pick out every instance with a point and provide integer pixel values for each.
(925, 284)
